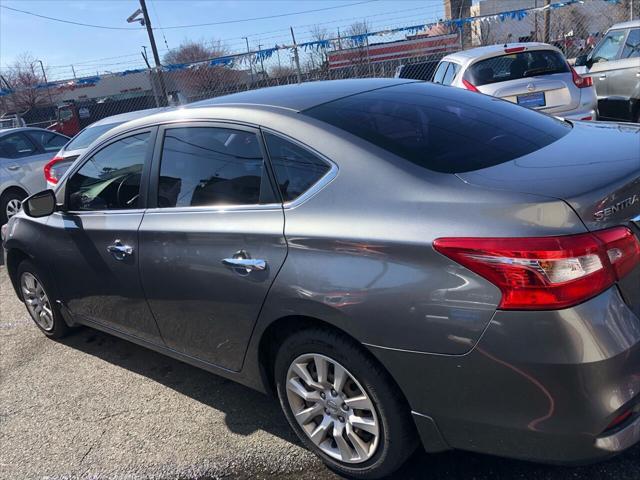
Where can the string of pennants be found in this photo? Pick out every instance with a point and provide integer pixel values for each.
(358, 40)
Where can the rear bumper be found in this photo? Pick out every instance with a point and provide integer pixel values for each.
(540, 386)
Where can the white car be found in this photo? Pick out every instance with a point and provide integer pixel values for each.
(534, 75)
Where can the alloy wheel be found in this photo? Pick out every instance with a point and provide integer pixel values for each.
(37, 301)
(13, 207)
(332, 408)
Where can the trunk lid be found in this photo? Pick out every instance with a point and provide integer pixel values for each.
(558, 91)
(595, 169)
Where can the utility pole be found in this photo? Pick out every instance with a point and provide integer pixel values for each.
(261, 60)
(547, 22)
(295, 56)
(74, 72)
(44, 75)
(246, 39)
(154, 50)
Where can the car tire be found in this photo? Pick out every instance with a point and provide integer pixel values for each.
(37, 296)
(367, 381)
(7, 200)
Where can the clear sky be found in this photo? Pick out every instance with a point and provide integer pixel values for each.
(59, 45)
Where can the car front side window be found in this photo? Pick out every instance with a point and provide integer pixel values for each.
(609, 47)
(110, 179)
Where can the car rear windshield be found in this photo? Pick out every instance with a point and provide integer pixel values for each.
(88, 135)
(516, 65)
(444, 129)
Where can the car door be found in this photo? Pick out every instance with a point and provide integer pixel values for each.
(95, 236)
(603, 61)
(624, 76)
(18, 156)
(212, 241)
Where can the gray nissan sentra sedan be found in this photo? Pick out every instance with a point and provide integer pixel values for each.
(401, 262)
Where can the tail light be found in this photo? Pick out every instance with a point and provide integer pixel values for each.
(514, 49)
(55, 168)
(546, 273)
(580, 81)
(469, 86)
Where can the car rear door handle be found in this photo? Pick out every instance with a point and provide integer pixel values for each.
(120, 250)
(247, 263)
(602, 77)
(13, 167)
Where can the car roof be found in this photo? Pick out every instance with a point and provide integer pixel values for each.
(627, 24)
(5, 131)
(298, 97)
(125, 117)
(489, 51)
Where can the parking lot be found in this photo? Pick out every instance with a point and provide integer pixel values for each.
(94, 406)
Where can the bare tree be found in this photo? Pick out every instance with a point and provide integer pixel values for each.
(27, 82)
(195, 51)
(318, 56)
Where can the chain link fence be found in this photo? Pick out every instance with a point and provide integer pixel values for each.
(574, 26)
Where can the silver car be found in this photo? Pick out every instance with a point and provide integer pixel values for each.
(23, 153)
(534, 75)
(614, 65)
(78, 144)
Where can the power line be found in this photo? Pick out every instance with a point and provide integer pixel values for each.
(70, 21)
(225, 22)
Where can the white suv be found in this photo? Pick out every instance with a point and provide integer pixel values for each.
(534, 75)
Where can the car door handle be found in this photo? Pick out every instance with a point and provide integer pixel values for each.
(120, 250)
(248, 264)
(638, 74)
(13, 167)
(602, 77)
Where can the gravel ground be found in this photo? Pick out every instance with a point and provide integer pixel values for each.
(93, 406)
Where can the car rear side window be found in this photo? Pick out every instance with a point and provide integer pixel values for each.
(16, 145)
(110, 179)
(514, 66)
(204, 166)
(632, 44)
(296, 168)
(438, 76)
(51, 142)
(443, 129)
(451, 73)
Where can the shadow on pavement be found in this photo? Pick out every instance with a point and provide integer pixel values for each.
(247, 411)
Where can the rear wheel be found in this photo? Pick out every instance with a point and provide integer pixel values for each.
(39, 302)
(343, 405)
(10, 203)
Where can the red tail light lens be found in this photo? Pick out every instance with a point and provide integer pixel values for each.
(545, 273)
(514, 49)
(580, 81)
(55, 168)
(469, 86)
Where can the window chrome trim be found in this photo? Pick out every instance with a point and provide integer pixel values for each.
(214, 208)
(314, 189)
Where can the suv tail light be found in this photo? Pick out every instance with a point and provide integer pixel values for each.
(55, 168)
(469, 86)
(547, 273)
(580, 81)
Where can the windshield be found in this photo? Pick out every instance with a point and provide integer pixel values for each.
(443, 129)
(515, 66)
(88, 135)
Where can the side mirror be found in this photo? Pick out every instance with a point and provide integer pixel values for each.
(40, 204)
(581, 61)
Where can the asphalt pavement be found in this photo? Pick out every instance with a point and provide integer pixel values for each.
(92, 406)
